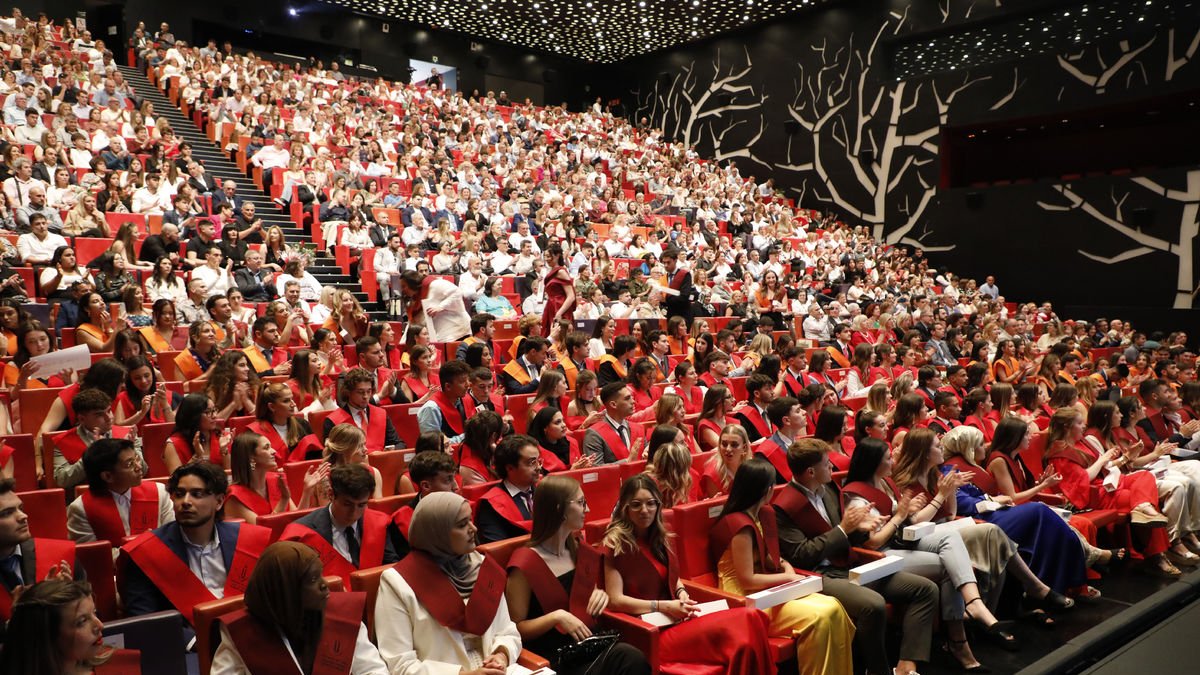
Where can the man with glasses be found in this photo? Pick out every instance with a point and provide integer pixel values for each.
(194, 559)
(506, 511)
(118, 503)
(357, 390)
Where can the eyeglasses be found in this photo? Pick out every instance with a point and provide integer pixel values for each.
(637, 505)
(582, 502)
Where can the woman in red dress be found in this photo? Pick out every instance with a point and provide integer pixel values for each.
(559, 289)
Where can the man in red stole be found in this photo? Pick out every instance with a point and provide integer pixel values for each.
(1161, 423)
(26, 560)
(679, 280)
(956, 382)
(373, 359)
(814, 534)
(793, 374)
(346, 534)
(357, 391)
(506, 511)
(94, 420)
(194, 559)
(265, 354)
(790, 421)
(431, 471)
(946, 411)
(760, 390)
(481, 395)
(118, 503)
(614, 439)
(445, 412)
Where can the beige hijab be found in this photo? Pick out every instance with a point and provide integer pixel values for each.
(429, 532)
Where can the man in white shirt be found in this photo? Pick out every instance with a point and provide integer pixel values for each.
(17, 186)
(218, 280)
(501, 260)
(989, 287)
(36, 205)
(272, 156)
(471, 283)
(417, 233)
(816, 325)
(31, 132)
(387, 263)
(114, 476)
(37, 246)
(517, 239)
(151, 199)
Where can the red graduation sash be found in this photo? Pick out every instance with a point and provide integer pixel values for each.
(1015, 470)
(451, 418)
(122, 662)
(878, 498)
(439, 597)
(183, 448)
(172, 576)
(370, 553)
(797, 506)
(249, 498)
(47, 553)
(550, 593)
(790, 383)
(551, 461)
(376, 430)
(754, 417)
(101, 511)
(402, 519)
(777, 456)
(613, 439)
(335, 648)
(645, 576)
(767, 542)
(506, 506)
(72, 446)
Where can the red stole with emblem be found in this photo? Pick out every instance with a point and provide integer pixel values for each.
(439, 597)
(549, 592)
(752, 415)
(183, 448)
(101, 512)
(260, 505)
(370, 554)
(284, 454)
(263, 652)
(172, 576)
(47, 553)
(766, 542)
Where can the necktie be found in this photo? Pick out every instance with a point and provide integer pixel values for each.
(360, 418)
(623, 432)
(526, 497)
(352, 544)
(10, 571)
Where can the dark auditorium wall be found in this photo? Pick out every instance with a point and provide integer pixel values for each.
(332, 30)
(813, 101)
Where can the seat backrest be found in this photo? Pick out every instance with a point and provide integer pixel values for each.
(206, 619)
(154, 440)
(158, 636)
(35, 405)
(1034, 455)
(630, 469)
(502, 550)
(95, 557)
(367, 581)
(404, 419)
(391, 504)
(23, 460)
(391, 465)
(47, 511)
(317, 421)
(295, 473)
(518, 407)
(472, 493)
(601, 486)
(277, 521)
(692, 524)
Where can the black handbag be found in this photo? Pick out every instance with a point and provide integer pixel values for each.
(586, 651)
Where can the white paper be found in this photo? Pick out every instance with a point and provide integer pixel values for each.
(659, 619)
(1065, 514)
(876, 569)
(518, 669)
(1113, 479)
(1183, 453)
(53, 363)
(1159, 467)
(663, 289)
(785, 592)
(116, 641)
(917, 531)
(953, 525)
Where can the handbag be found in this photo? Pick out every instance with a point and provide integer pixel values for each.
(586, 651)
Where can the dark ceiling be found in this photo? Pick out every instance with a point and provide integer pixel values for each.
(601, 31)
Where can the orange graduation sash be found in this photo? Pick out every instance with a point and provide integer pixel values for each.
(155, 340)
(516, 372)
(439, 597)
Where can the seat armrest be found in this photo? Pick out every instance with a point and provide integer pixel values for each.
(864, 555)
(1050, 498)
(702, 593)
(636, 633)
(532, 661)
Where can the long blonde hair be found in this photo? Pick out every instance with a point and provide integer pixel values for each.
(342, 441)
(672, 471)
(716, 460)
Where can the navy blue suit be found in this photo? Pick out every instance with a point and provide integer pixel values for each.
(140, 595)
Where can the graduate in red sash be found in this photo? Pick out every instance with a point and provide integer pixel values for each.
(553, 584)
(430, 471)
(94, 416)
(505, 511)
(24, 559)
(290, 435)
(946, 409)
(641, 575)
(442, 608)
(346, 535)
(54, 629)
(358, 389)
(259, 487)
(446, 412)
(789, 419)
(194, 559)
(118, 503)
(759, 390)
(373, 357)
(793, 373)
(613, 438)
(560, 451)
(293, 624)
(818, 536)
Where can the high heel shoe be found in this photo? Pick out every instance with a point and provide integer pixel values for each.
(999, 632)
(1117, 557)
(1052, 602)
(978, 668)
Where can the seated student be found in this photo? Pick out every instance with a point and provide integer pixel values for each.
(789, 419)
(753, 414)
(613, 438)
(670, 466)
(430, 471)
(504, 511)
(445, 412)
(193, 363)
(25, 559)
(289, 434)
(559, 450)
(144, 400)
(815, 534)
(118, 503)
(641, 575)
(421, 624)
(293, 623)
(259, 487)
(346, 534)
(373, 358)
(266, 356)
(615, 367)
(196, 434)
(483, 328)
(745, 549)
(576, 358)
(482, 433)
(54, 622)
(195, 558)
(523, 374)
(946, 410)
(357, 390)
(552, 590)
(93, 413)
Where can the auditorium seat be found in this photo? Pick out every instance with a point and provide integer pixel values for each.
(24, 461)
(154, 441)
(294, 471)
(391, 504)
(96, 559)
(47, 511)
(601, 487)
(472, 493)
(502, 550)
(276, 522)
(391, 465)
(35, 405)
(518, 407)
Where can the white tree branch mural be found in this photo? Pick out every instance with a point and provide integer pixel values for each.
(1092, 68)
(1142, 243)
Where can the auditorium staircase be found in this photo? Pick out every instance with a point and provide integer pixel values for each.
(219, 165)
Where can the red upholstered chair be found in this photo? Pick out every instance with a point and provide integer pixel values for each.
(277, 521)
(47, 511)
(391, 504)
(96, 558)
(154, 439)
(472, 493)
(601, 485)
(502, 550)
(23, 460)
(404, 419)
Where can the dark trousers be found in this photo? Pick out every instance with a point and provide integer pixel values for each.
(866, 606)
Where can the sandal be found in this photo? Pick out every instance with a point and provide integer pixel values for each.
(978, 668)
(1089, 593)
(1040, 618)
(999, 632)
(1053, 601)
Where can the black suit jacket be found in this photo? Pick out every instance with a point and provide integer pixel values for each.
(140, 594)
(206, 186)
(805, 552)
(680, 305)
(319, 521)
(254, 285)
(493, 526)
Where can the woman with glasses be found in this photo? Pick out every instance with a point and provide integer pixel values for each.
(196, 437)
(641, 576)
(552, 590)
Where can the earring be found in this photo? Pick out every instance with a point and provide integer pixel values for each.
(253, 465)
